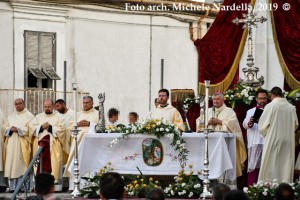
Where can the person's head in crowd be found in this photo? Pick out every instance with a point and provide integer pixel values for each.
(133, 117)
(235, 195)
(60, 106)
(276, 92)
(44, 184)
(112, 186)
(156, 102)
(163, 97)
(284, 192)
(219, 190)
(113, 115)
(87, 103)
(262, 97)
(48, 106)
(218, 99)
(19, 104)
(155, 194)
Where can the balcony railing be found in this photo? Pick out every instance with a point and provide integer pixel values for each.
(34, 99)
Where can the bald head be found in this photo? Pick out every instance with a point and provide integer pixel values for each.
(48, 106)
(19, 105)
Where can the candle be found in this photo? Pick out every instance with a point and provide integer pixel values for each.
(206, 82)
(75, 102)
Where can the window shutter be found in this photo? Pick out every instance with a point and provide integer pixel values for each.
(32, 49)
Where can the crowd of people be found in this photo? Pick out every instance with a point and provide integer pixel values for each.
(271, 144)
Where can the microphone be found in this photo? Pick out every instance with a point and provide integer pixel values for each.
(213, 116)
(213, 110)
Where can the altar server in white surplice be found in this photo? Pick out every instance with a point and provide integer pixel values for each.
(51, 123)
(17, 150)
(254, 138)
(277, 125)
(3, 124)
(86, 122)
(224, 119)
(166, 111)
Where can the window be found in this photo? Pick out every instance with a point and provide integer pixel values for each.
(40, 59)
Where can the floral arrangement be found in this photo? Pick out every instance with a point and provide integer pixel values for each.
(266, 190)
(190, 101)
(187, 185)
(91, 187)
(159, 128)
(242, 94)
(140, 186)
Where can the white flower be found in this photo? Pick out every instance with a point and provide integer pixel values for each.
(157, 129)
(265, 193)
(183, 184)
(167, 130)
(178, 142)
(183, 192)
(191, 194)
(162, 129)
(246, 95)
(245, 189)
(172, 192)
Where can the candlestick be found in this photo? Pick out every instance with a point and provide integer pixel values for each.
(207, 84)
(74, 86)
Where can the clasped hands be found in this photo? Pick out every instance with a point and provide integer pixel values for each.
(83, 123)
(45, 126)
(14, 129)
(214, 121)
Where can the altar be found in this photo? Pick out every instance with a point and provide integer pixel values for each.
(94, 152)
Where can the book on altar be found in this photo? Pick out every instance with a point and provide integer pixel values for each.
(257, 114)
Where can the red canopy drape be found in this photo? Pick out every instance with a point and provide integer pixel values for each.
(218, 49)
(286, 30)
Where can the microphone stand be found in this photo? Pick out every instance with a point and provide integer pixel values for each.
(213, 116)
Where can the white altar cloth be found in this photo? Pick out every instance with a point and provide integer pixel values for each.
(94, 152)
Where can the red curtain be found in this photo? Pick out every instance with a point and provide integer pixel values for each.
(287, 27)
(218, 48)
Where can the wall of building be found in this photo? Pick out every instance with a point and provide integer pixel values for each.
(6, 47)
(113, 51)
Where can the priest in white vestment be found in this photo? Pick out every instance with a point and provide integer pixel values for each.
(17, 150)
(223, 118)
(277, 125)
(86, 122)
(3, 124)
(68, 114)
(50, 122)
(165, 111)
(254, 138)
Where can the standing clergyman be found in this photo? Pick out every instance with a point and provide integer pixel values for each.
(277, 125)
(17, 148)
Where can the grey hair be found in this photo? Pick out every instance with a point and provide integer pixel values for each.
(89, 97)
(220, 94)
